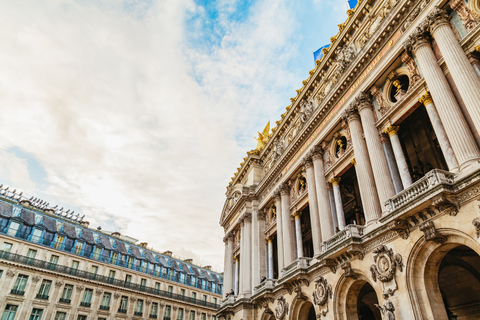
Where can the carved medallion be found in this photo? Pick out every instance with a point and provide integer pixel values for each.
(322, 292)
(282, 308)
(385, 265)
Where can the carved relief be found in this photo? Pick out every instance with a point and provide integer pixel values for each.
(464, 14)
(412, 68)
(431, 234)
(401, 227)
(58, 283)
(384, 268)
(387, 309)
(322, 292)
(282, 308)
(476, 224)
(10, 274)
(413, 15)
(79, 288)
(35, 279)
(444, 205)
(382, 104)
(348, 272)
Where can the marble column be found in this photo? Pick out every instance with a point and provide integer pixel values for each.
(392, 132)
(278, 206)
(298, 233)
(236, 275)
(333, 210)
(270, 257)
(366, 183)
(228, 267)
(259, 268)
(381, 174)
(247, 257)
(313, 207)
(288, 235)
(456, 127)
(338, 202)
(323, 200)
(242, 255)
(392, 165)
(439, 130)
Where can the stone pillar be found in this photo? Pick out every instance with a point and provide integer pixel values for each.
(288, 237)
(236, 275)
(326, 221)
(338, 202)
(381, 174)
(242, 255)
(298, 233)
(392, 165)
(258, 266)
(439, 130)
(278, 206)
(366, 183)
(392, 132)
(457, 62)
(228, 270)
(270, 257)
(456, 127)
(247, 257)
(333, 210)
(312, 204)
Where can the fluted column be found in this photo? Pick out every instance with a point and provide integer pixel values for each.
(298, 233)
(247, 257)
(457, 62)
(381, 174)
(333, 210)
(236, 275)
(439, 130)
(312, 204)
(270, 257)
(456, 127)
(242, 255)
(228, 266)
(338, 202)
(278, 206)
(366, 183)
(259, 267)
(326, 222)
(392, 132)
(288, 237)
(392, 165)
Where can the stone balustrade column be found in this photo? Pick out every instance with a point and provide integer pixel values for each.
(280, 255)
(246, 269)
(456, 127)
(366, 183)
(439, 130)
(313, 207)
(270, 257)
(228, 266)
(457, 62)
(236, 275)
(338, 202)
(333, 210)
(392, 132)
(378, 161)
(288, 235)
(392, 165)
(298, 233)
(323, 200)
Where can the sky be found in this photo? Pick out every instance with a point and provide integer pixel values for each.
(137, 113)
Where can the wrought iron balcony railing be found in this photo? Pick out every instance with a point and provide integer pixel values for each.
(17, 292)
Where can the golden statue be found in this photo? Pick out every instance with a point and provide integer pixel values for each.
(263, 137)
(398, 85)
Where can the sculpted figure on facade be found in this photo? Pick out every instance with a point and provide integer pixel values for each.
(385, 265)
(282, 308)
(387, 309)
(464, 14)
(412, 67)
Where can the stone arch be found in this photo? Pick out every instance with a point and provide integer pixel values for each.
(300, 309)
(422, 269)
(474, 6)
(267, 315)
(346, 293)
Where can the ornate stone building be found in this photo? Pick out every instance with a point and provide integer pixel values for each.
(53, 267)
(362, 202)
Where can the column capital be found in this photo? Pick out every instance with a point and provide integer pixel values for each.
(335, 181)
(420, 37)
(269, 239)
(437, 17)
(351, 113)
(297, 214)
(392, 130)
(228, 237)
(364, 100)
(247, 216)
(307, 160)
(384, 138)
(354, 162)
(261, 214)
(284, 189)
(477, 48)
(426, 99)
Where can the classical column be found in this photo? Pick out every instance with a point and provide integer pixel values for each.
(392, 165)
(439, 130)
(326, 223)
(392, 132)
(270, 257)
(381, 174)
(338, 202)
(333, 210)
(288, 240)
(366, 183)
(236, 275)
(228, 270)
(278, 206)
(457, 62)
(456, 127)
(247, 257)
(241, 274)
(298, 233)
(258, 266)
(313, 207)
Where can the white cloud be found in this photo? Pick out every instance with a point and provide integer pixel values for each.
(103, 95)
(14, 172)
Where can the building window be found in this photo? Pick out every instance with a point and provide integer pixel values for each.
(139, 308)
(182, 292)
(31, 255)
(194, 295)
(60, 315)
(67, 293)
(44, 289)
(157, 287)
(154, 310)
(19, 286)
(204, 316)
(129, 262)
(36, 314)
(13, 228)
(128, 280)
(192, 315)
(75, 264)
(94, 271)
(87, 298)
(78, 248)
(105, 305)
(82, 317)
(143, 283)
(48, 238)
(123, 304)
(53, 260)
(215, 300)
(180, 314)
(111, 276)
(9, 313)
(37, 235)
(6, 247)
(114, 258)
(68, 244)
(204, 298)
(96, 253)
(170, 289)
(168, 311)
(58, 242)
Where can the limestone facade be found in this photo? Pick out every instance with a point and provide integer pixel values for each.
(363, 200)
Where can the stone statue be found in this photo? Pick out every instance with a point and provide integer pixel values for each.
(387, 309)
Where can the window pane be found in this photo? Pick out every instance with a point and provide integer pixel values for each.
(20, 283)
(60, 315)
(45, 288)
(7, 247)
(9, 313)
(36, 314)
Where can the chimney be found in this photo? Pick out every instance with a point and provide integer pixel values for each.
(188, 260)
(85, 224)
(168, 253)
(116, 234)
(143, 244)
(208, 268)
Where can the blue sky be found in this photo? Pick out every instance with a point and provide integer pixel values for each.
(137, 113)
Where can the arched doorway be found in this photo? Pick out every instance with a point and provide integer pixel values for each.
(459, 283)
(366, 301)
(307, 312)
